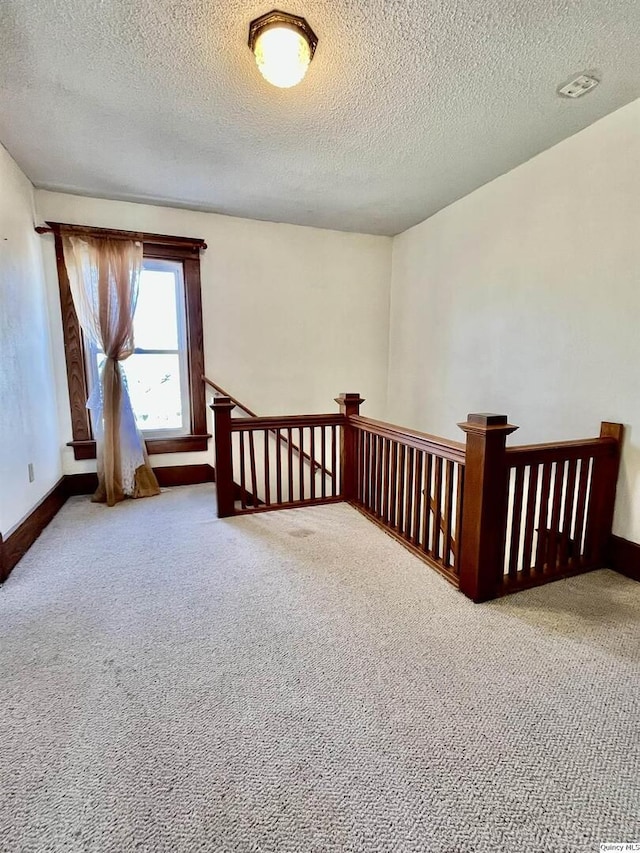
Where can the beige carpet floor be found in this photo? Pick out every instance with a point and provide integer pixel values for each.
(296, 682)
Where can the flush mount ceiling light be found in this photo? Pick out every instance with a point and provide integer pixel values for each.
(283, 46)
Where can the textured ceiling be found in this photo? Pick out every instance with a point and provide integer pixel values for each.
(407, 106)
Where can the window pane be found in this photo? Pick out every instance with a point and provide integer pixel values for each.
(154, 388)
(155, 324)
(158, 383)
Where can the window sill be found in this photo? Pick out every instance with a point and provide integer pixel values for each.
(176, 444)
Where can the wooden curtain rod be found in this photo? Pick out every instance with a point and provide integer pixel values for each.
(114, 234)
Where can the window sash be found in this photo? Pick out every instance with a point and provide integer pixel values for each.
(92, 352)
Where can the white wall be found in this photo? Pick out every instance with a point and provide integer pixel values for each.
(28, 419)
(292, 315)
(524, 298)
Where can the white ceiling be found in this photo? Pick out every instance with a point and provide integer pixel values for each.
(407, 106)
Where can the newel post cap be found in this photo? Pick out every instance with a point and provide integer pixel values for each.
(349, 404)
(350, 397)
(487, 422)
(220, 403)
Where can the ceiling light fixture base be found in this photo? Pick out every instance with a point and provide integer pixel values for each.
(579, 86)
(276, 18)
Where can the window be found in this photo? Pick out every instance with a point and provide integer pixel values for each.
(164, 374)
(157, 373)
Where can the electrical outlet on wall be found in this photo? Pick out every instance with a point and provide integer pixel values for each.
(32, 475)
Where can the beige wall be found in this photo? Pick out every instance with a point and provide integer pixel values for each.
(292, 315)
(524, 298)
(28, 421)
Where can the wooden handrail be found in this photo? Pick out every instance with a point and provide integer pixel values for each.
(445, 448)
(224, 393)
(250, 424)
(274, 422)
(533, 454)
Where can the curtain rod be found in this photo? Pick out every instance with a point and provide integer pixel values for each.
(114, 234)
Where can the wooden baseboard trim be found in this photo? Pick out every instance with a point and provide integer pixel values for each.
(624, 557)
(15, 546)
(185, 475)
(172, 475)
(81, 484)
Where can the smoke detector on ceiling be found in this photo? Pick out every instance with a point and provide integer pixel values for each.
(580, 86)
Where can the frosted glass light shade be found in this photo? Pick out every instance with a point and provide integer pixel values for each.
(282, 54)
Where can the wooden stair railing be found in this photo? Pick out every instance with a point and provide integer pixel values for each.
(271, 479)
(491, 519)
(410, 484)
(318, 467)
(534, 514)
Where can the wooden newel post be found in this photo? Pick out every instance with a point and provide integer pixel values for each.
(222, 408)
(605, 481)
(484, 507)
(349, 406)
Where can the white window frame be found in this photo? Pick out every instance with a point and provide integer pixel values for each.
(91, 352)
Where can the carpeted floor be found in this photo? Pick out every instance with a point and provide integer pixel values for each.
(296, 682)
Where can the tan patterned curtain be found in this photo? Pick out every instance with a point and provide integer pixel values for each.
(104, 276)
